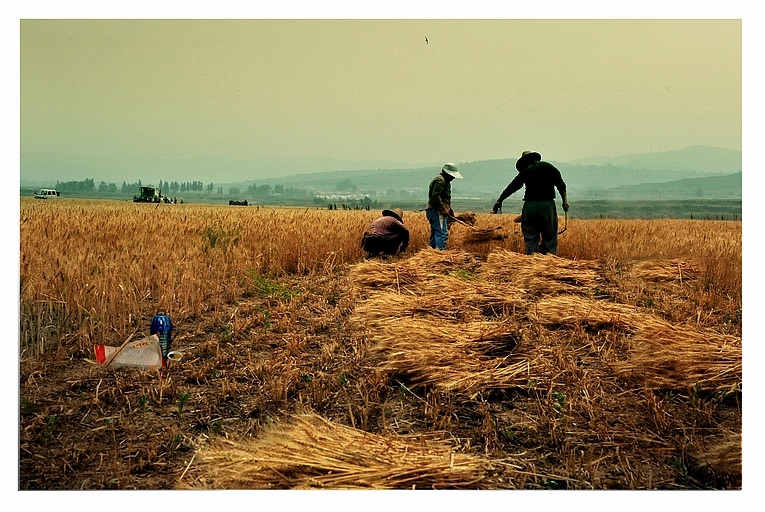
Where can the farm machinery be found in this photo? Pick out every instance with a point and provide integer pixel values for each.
(148, 195)
(153, 195)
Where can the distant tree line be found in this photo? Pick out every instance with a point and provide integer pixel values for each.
(175, 187)
(88, 187)
(364, 203)
(168, 187)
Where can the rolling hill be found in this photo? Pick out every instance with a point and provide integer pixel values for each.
(598, 177)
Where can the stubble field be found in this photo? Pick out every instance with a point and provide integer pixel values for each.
(616, 365)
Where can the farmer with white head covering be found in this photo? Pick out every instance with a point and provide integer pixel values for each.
(539, 216)
(439, 208)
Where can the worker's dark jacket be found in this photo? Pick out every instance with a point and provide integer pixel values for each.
(541, 180)
(385, 235)
(440, 195)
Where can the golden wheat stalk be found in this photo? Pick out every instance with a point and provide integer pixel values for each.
(307, 452)
(665, 356)
(660, 354)
(462, 357)
(666, 270)
(541, 273)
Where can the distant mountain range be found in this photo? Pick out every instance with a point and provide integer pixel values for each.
(627, 175)
(702, 159)
(724, 186)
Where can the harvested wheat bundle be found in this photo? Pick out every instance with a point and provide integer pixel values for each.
(472, 293)
(666, 356)
(424, 265)
(467, 218)
(723, 457)
(468, 357)
(437, 263)
(660, 354)
(483, 235)
(575, 309)
(666, 270)
(310, 452)
(542, 273)
(450, 298)
(381, 274)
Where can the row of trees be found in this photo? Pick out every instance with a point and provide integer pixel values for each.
(88, 186)
(174, 188)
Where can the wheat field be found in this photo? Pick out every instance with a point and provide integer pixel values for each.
(89, 269)
(280, 313)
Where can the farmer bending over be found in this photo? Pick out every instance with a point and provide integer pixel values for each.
(386, 236)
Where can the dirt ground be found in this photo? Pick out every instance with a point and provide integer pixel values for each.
(290, 348)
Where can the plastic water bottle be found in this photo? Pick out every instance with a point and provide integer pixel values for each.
(162, 326)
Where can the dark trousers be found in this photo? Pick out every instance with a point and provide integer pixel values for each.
(376, 245)
(540, 219)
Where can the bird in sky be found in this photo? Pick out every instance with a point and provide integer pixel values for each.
(426, 40)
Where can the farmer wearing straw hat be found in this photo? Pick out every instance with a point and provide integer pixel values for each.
(439, 208)
(539, 216)
(386, 236)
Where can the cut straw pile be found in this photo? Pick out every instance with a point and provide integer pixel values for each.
(661, 354)
(665, 356)
(542, 274)
(450, 297)
(666, 270)
(442, 320)
(467, 218)
(466, 358)
(476, 235)
(724, 456)
(438, 328)
(309, 452)
(483, 235)
(564, 310)
(427, 264)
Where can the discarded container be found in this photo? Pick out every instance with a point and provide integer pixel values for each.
(173, 357)
(162, 326)
(143, 353)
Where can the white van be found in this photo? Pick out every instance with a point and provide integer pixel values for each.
(45, 193)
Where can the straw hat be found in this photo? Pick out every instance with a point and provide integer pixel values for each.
(452, 170)
(527, 157)
(396, 213)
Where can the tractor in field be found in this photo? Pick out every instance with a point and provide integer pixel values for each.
(148, 195)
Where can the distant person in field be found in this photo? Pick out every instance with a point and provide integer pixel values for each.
(439, 209)
(387, 235)
(539, 218)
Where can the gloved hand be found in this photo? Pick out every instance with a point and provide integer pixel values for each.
(497, 207)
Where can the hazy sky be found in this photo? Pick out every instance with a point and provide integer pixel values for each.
(105, 92)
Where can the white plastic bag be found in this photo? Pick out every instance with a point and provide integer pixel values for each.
(143, 353)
